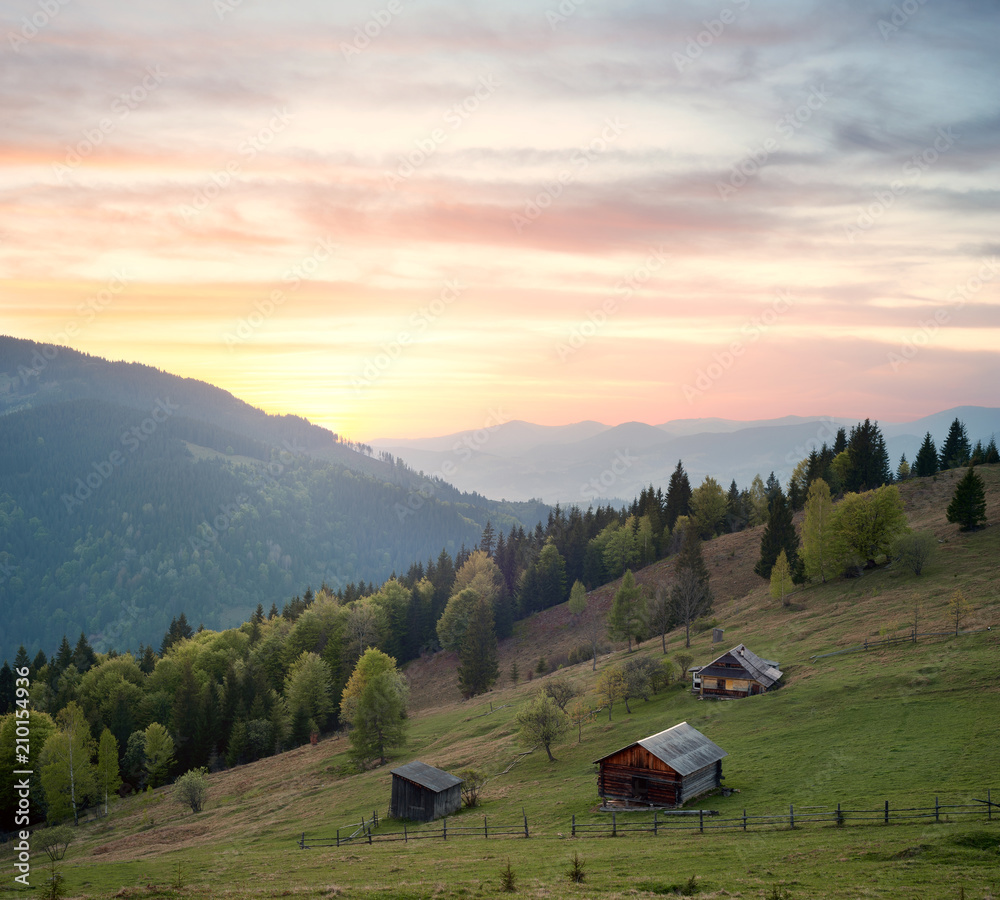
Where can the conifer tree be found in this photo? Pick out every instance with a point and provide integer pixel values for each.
(478, 669)
(678, 501)
(990, 455)
(869, 459)
(968, 506)
(926, 461)
(625, 615)
(955, 451)
(779, 534)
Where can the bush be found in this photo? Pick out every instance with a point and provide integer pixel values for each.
(54, 841)
(576, 873)
(914, 550)
(472, 784)
(191, 789)
(507, 883)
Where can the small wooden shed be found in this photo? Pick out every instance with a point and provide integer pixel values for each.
(421, 792)
(737, 673)
(665, 769)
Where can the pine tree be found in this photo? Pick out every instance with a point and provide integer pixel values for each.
(955, 451)
(903, 469)
(83, 655)
(869, 459)
(678, 501)
(779, 534)
(926, 461)
(625, 615)
(968, 506)
(990, 455)
(478, 669)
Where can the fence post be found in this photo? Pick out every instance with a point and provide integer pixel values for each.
(573, 831)
(486, 830)
(523, 813)
(302, 843)
(444, 828)
(406, 840)
(937, 810)
(701, 821)
(369, 835)
(886, 812)
(744, 818)
(338, 837)
(791, 816)
(866, 643)
(614, 825)
(655, 823)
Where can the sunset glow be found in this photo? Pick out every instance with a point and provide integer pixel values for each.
(395, 220)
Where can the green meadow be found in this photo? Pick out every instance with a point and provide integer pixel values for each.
(904, 725)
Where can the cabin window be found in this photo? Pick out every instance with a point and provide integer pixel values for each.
(720, 683)
(640, 787)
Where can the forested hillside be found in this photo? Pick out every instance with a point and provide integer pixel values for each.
(115, 518)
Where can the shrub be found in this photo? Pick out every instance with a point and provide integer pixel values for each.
(472, 784)
(191, 789)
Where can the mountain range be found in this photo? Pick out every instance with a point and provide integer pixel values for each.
(588, 462)
(129, 495)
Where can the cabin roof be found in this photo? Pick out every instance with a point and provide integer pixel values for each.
(684, 748)
(765, 671)
(419, 773)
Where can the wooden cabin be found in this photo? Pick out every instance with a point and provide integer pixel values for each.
(737, 673)
(422, 793)
(665, 769)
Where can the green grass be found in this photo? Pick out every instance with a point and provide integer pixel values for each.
(903, 725)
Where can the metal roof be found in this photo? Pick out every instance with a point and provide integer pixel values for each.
(763, 670)
(427, 776)
(684, 748)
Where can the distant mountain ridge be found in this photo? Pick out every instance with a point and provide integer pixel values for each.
(590, 462)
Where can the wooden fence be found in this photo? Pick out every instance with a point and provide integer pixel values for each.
(708, 819)
(365, 833)
(897, 641)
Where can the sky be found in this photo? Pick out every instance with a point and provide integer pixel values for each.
(407, 218)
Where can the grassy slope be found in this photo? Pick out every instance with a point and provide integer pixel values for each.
(903, 725)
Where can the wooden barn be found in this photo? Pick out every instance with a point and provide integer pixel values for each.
(737, 673)
(421, 792)
(666, 769)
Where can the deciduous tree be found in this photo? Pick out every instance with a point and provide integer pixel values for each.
(866, 524)
(817, 531)
(541, 722)
(67, 768)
